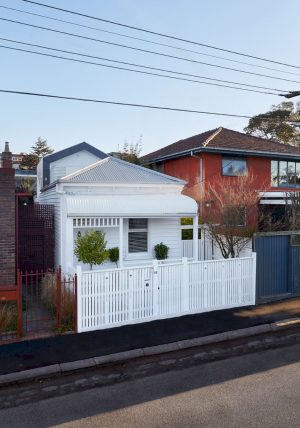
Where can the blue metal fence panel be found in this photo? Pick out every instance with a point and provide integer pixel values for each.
(272, 267)
(294, 267)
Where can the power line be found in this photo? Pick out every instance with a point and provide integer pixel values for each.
(133, 64)
(147, 41)
(147, 51)
(90, 100)
(160, 34)
(135, 71)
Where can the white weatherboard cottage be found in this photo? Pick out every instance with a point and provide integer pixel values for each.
(136, 207)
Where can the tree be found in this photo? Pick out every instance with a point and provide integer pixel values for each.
(131, 152)
(281, 123)
(232, 218)
(91, 248)
(292, 211)
(38, 151)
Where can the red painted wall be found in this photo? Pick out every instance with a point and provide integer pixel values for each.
(188, 168)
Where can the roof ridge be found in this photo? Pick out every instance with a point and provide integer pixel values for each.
(133, 165)
(182, 139)
(125, 163)
(269, 140)
(209, 139)
(86, 168)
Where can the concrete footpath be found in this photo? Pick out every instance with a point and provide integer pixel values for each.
(98, 347)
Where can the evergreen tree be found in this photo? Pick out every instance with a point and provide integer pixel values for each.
(38, 151)
(281, 123)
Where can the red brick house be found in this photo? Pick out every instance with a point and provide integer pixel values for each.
(219, 156)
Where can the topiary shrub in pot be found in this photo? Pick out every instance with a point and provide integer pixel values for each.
(161, 251)
(114, 254)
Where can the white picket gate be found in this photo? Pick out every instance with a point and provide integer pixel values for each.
(111, 298)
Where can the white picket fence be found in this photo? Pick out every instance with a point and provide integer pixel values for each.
(208, 251)
(111, 298)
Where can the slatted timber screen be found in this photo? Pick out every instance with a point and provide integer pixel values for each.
(35, 237)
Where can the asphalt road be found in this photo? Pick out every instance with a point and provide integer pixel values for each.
(255, 390)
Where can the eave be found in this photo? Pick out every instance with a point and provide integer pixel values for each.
(238, 152)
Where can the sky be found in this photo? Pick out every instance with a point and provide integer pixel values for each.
(268, 28)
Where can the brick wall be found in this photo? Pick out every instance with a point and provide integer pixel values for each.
(7, 227)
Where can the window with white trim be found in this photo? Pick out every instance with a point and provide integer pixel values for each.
(137, 235)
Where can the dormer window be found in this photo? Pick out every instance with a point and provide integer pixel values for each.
(233, 167)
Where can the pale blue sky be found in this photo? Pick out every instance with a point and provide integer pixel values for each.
(267, 28)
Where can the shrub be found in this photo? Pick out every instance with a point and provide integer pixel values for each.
(91, 248)
(49, 299)
(161, 251)
(8, 317)
(114, 254)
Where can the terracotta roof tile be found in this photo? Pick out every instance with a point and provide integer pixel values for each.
(224, 139)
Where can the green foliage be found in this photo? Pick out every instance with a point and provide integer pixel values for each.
(114, 254)
(281, 123)
(38, 151)
(131, 152)
(91, 248)
(8, 317)
(161, 251)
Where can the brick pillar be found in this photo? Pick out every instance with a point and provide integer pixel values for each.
(7, 220)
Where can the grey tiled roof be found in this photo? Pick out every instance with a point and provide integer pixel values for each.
(113, 170)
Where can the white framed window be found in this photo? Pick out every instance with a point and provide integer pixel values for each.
(137, 235)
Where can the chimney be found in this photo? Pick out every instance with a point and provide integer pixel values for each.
(6, 157)
(7, 220)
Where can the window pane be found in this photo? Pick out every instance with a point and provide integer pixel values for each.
(138, 223)
(274, 173)
(291, 172)
(186, 221)
(298, 173)
(188, 234)
(233, 166)
(137, 242)
(282, 173)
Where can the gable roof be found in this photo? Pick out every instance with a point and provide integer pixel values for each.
(116, 171)
(222, 140)
(47, 160)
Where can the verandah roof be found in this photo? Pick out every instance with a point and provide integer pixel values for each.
(131, 206)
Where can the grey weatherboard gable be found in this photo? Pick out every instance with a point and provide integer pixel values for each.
(47, 160)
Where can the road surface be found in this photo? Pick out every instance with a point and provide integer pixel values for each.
(255, 390)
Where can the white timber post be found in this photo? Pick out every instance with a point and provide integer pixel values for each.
(195, 238)
(121, 241)
(156, 287)
(79, 299)
(254, 278)
(185, 285)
